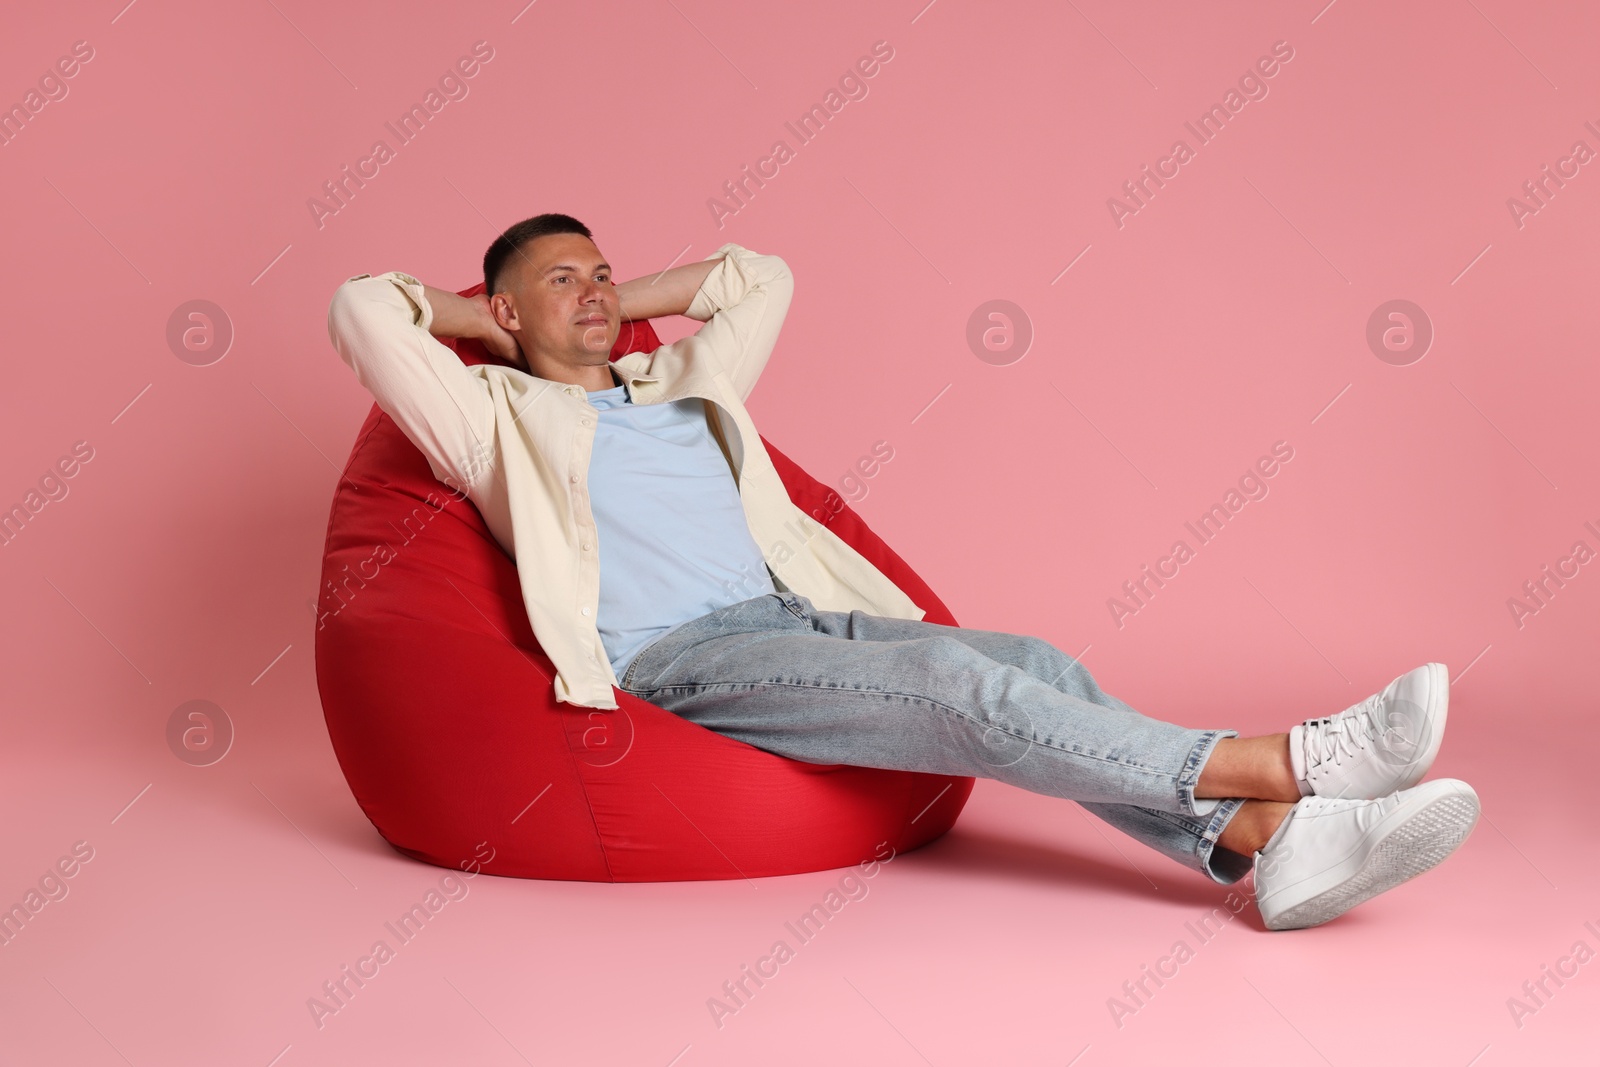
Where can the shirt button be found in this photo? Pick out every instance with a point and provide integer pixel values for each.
(585, 611)
(583, 422)
(574, 479)
(586, 546)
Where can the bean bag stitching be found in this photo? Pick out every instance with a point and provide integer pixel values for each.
(344, 476)
(588, 805)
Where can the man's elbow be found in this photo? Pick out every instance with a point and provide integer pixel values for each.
(780, 270)
(781, 288)
(342, 307)
(353, 305)
(777, 282)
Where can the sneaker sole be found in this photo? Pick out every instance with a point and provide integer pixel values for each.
(1420, 843)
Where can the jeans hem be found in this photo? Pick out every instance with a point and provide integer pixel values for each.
(1189, 777)
(1224, 870)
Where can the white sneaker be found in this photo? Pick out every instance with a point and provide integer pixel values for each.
(1330, 855)
(1374, 748)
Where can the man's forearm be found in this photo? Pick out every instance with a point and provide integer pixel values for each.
(453, 315)
(668, 293)
(464, 316)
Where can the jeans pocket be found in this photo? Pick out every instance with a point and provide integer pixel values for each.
(627, 676)
(636, 671)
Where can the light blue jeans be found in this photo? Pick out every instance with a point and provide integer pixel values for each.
(852, 688)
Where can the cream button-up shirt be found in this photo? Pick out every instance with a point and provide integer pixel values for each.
(518, 447)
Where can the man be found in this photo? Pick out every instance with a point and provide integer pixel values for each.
(660, 554)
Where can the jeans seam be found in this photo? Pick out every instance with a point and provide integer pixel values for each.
(627, 675)
(953, 712)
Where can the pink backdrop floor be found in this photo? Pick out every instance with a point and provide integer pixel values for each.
(1438, 154)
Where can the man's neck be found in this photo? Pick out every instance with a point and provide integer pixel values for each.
(592, 379)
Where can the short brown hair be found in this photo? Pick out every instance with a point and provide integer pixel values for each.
(509, 243)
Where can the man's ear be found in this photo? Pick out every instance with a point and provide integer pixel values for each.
(504, 312)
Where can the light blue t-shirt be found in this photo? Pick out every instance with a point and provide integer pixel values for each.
(674, 541)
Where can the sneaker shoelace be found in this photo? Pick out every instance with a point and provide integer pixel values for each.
(1345, 734)
(1315, 805)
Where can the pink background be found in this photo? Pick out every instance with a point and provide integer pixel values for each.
(1228, 313)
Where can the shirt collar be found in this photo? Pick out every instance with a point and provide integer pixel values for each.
(632, 375)
(628, 378)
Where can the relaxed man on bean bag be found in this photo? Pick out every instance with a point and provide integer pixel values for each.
(660, 554)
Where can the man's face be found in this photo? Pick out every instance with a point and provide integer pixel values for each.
(559, 300)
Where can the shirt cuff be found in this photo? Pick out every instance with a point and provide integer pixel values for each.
(703, 306)
(414, 292)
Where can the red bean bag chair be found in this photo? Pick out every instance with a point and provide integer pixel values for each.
(441, 712)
